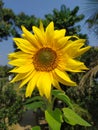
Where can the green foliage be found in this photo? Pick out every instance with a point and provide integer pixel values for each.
(34, 105)
(53, 115)
(62, 96)
(26, 20)
(57, 117)
(66, 18)
(54, 118)
(6, 21)
(72, 118)
(4, 71)
(10, 23)
(36, 128)
(11, 105)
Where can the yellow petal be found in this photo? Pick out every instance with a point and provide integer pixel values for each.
(56, 84)
(62, 42)
(54, 81)
(20, 76)
(27, 79)
(41, 27)
(82, 51)
(64, 78)
(73, 48)
(23, 69)
(50, 33)
(20, 62)
(31, 85)
(74, 65)
(39, 36)
(20, 55)
(44, 85)
(24, 45)
(59, 33)
(68, 64)
(30, 37)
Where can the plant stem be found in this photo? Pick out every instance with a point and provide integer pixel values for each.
(49, 106)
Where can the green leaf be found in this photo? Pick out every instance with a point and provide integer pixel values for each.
(36, 128)
(36, 98)
(34, 105)
(62, 96)
(73, 119)
(54, 118)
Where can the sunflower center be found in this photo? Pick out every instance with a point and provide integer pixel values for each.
(45, 59)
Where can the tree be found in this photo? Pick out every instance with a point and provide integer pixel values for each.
(6, 21)
(10, 23)
(66, 18)
(4, 71)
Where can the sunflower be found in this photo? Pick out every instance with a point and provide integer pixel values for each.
(44, 58)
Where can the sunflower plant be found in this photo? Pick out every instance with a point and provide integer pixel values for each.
(43, 61)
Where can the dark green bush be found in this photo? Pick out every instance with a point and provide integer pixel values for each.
(11, 105)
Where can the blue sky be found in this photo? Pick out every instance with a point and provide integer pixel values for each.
(38, 8)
